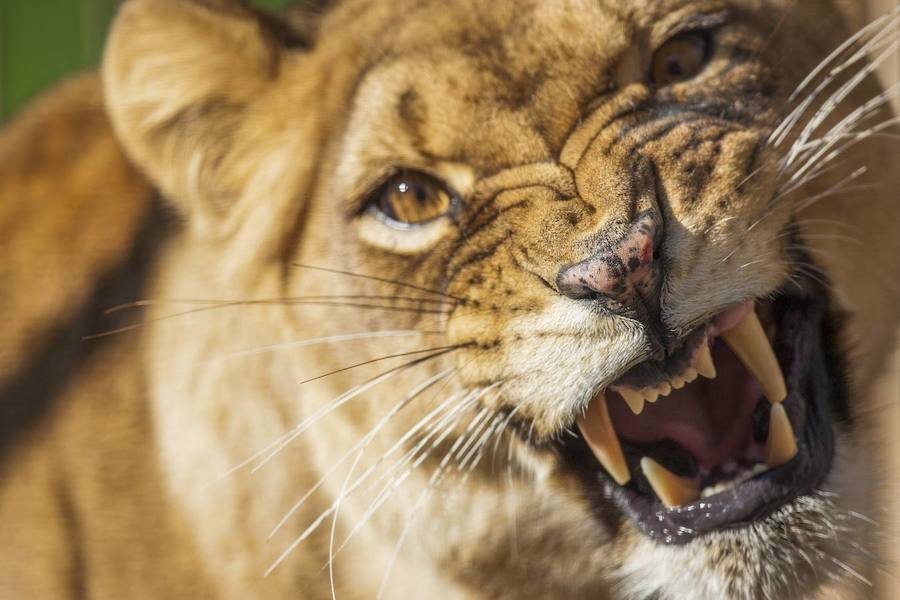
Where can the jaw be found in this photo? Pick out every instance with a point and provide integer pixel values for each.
(812, 547)
(810, 537)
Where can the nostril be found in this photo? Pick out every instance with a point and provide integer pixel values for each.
(574, 286)
(589, 279)
(614, 271)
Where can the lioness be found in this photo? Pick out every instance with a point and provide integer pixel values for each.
(451, 299)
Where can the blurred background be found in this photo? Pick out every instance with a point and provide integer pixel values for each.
(42, 41)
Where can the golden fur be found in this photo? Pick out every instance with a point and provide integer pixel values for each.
(264, 138)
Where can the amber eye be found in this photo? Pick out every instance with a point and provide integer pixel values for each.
(680, 59)
(412, 198)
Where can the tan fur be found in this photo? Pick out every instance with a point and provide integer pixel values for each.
(127, 487)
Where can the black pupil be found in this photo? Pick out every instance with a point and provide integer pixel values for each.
(674, 66)
(418, 191)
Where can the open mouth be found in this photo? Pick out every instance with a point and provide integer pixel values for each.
(729, 428)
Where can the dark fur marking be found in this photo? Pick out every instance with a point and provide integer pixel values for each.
(74, 542)
(481, 255)
(32, 393)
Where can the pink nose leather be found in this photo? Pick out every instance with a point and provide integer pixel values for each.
(617, 271)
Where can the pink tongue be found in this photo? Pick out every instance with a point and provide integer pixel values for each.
(709, 418)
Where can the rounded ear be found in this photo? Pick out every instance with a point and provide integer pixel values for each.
(179, 76)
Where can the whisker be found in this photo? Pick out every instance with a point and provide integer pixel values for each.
(425, 423)
(380, 359)
(286, 302)
(210, 303)
(333, 339)
(334, 518)
(396, 481)
(832, 102)
(326, 513)
(381, 280)
(783, 130)
(347, 396)
(364, 443)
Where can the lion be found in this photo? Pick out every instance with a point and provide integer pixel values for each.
(451, 299)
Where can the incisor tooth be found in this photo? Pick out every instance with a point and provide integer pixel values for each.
(690, 375)
(651, 394)
(635, 400)
(598, 431)
(671, 489)
(748, 340)
(677, 383)
(704, 362)
(664, 389)
(781, 445)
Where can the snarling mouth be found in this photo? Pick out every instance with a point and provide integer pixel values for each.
(735, 425)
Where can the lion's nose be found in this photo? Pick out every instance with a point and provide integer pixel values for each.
(617, 270)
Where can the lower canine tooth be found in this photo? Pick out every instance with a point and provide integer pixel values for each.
(748, 340)
(635, 400)
(781, 445)
(598, 432)
(671, 489)
(703, 363)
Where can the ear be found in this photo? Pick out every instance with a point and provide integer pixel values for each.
(180, 77)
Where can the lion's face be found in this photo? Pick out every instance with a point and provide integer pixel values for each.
(610, 226)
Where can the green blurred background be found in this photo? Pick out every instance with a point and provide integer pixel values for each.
(43, 40)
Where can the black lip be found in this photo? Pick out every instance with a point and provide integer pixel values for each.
(816, 394)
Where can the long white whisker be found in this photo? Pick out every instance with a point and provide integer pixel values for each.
(347, 396)
(387, 491)
(337, 508)
(787, 125)
(332, 339)
(829, 105)
(314, 526)
(821, 156)
(362, 444)
(396, 481)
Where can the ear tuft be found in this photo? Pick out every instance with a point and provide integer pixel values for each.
(179, 76)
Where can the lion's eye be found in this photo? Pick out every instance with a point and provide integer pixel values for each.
(680, 59)
(412, 198)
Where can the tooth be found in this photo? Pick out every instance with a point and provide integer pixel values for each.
(635, 400)
(781, 445)
(690, 375)
(677, 383)
(651, 394)
(704, 362)
(671, 489)
(748, 340)
(598, 431)
(664, 389)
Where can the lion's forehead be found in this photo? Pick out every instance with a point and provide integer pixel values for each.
(504, 84)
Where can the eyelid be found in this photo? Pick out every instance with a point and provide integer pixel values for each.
(695, 22)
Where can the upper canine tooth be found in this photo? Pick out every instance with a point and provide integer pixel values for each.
(671, 489)
(598, 432)
(748, 340)
(703, 362)
(782, 444)
(634, 399)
